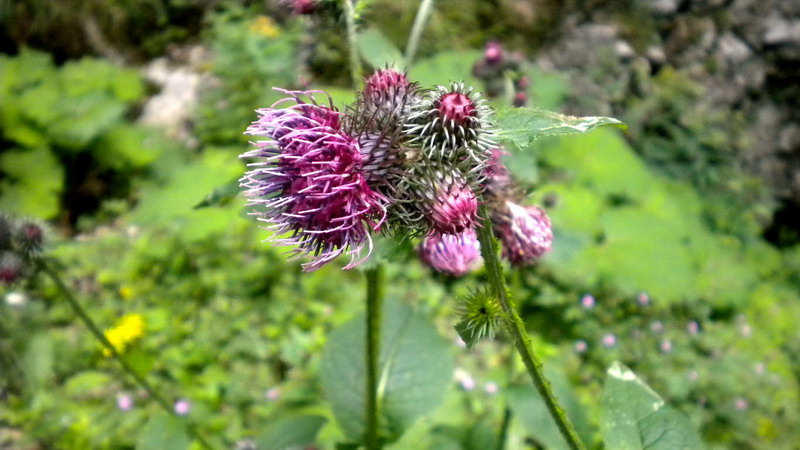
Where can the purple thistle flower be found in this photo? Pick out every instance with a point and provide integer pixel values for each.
(455, 254)
(182, 407)
(587, 301)
(609, 340)
(386, 82)
(124, 402)
(310, 183)
(581, 346)
(12, 267)
(493, 52)
(454, 209)
(524, 231)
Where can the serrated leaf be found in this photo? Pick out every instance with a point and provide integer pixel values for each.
(378, 50)
(290, 433)
(163, 432)
(635, 417)
(415, 367)
(33, 183)
(127, 147)
(521, 126)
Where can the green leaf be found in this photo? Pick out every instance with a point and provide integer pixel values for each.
(88, 383)
(635, 417)
(379, 51)
(38, 360)
(290, 432)
(127, 147)
(521, 126)
(163, 432)
(34, 182)
(221, 195)
(415, 367)
(445, 67)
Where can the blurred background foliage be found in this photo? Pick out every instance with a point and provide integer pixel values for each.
(686, 246)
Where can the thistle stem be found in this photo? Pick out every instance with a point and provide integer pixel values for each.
(517, 330)
(101, 337)
(420, 20)
(374, 303)
(352, 42)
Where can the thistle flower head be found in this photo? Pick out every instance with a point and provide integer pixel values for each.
(493, 52)
(30, 237)
(386, 82)
(12, 267)
(309, 182)
(524, 231)
(454, 254)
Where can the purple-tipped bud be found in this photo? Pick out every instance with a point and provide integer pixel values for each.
(309, 182)
(302, 7)
(386, 82)
(12, 267)
(520, 99)
(454, 209)
(455, 254)
(456, 107)
(523, 83)
(30, 237)
(525, 232)
(493, 52)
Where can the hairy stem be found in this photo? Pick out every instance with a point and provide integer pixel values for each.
(517, 330)
(352, 42)
(374, 303)
(101, 337)
(420, 20)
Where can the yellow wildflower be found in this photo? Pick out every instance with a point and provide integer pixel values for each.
(264, 26)
(128, 328)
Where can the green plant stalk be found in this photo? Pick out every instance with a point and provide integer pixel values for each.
(374, 304)
(352, 42)
(517, 330)
(417, 28)
(101, 337)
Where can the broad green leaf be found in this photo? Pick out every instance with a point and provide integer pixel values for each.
(521, 126)
(34, 179)
(127, 147)
(163, 432)
(635, 417)
(531, 412)
(379, 51)
(415, 367)
(290, 433)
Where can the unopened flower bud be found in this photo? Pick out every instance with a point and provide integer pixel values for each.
(493, 52)
(454, 254)
(12, 267)
(520, 99)
(454, 209)
(524, 232)
(30, 237)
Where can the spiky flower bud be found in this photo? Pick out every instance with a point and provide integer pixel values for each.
(29, 238)
(481, 315)
(12, 267)
(454, 254)
(385, 83)
(309, 182)
(451, 124)
(493, 52)
(454, 209)
(524, 231)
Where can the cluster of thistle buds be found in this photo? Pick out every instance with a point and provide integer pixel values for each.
(20, 245)
(500, 71)
(400, 160)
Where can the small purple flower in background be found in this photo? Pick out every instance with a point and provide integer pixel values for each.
(657, 326)
(520, 100)
(12, 267)
(182, 407)
(609, 340)
(309, 182)
(741, 404)
(693, 327)
(524, 231)
(272, 394)
(491, 388)
(302, 7)
(464, 379)
(124, 402)
(493, 52)
(587, 301)
(581, 346)
(643, 299)
(454, 254)
(666, 346)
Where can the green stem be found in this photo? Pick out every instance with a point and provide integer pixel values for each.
(374, 302)
(101, 337)
(352, 42)
(517, 330)
(423, 12)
